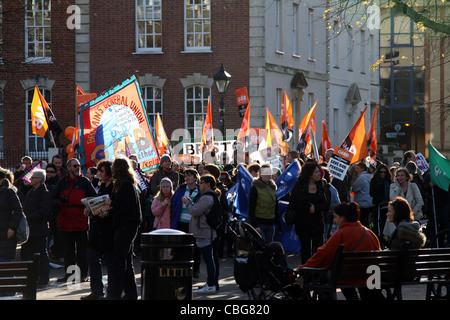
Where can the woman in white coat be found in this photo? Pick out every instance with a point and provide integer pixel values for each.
(403, 187)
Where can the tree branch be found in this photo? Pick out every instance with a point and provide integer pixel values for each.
(419, 18)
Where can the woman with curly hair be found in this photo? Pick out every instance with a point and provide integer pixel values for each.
(126, 219)
(310, 200)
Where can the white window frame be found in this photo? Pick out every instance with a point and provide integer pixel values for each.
(149, 13)
(198, 111)
(38, 141)
(295, 28)
(39, 14)
(153, 103)
(336, 44)
(202, 22)
(350, 43)
(310, 34)
(362, 53)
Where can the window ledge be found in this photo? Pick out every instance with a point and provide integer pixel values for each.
(147, 52)
(38, 60)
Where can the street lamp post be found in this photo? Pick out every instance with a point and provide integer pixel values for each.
(222, 80)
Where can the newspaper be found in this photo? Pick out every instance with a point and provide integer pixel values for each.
(96, 205)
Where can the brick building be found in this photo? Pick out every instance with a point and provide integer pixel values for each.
(174, 47)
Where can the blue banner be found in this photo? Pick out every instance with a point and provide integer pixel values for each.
(288, 178)
(288, 238)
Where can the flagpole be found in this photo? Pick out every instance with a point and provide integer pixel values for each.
(434, 214)
(314, 145)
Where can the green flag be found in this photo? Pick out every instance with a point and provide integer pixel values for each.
(439, 168)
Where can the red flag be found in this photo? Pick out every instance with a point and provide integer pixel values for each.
(308, 123)
(372, 144)
(273, 129)
(245, 127)
(287, 122)
(355, 141)
(326, 143)
(162, 142)
(207, 135)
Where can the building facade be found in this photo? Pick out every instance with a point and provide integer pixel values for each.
(175, 48)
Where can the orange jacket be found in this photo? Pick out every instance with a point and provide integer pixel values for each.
(349, 234)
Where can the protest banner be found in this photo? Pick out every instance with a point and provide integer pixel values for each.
(115, 124)
(339, 162)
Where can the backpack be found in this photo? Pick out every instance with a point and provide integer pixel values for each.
(214, 218)
(23, 230)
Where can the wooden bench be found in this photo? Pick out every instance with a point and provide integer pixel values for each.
(20, 276)
(397, 268)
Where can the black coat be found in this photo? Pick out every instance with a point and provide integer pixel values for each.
(126, 205)
(37, 207)
(101, 232)
(10, 214)
(301, 201)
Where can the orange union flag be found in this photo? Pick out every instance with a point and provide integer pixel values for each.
(245, 127)
(207, 135)
(304, 138)
(287, 122)
(356, 142)
(161, 137)
(326, 143)
(273, 129)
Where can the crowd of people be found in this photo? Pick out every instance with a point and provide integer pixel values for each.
(386, 204)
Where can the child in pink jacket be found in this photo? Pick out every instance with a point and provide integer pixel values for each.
(161, 204)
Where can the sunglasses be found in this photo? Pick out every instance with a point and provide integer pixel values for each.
(75, 165)
(51, 171)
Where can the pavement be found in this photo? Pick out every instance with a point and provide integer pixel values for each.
(228, 291)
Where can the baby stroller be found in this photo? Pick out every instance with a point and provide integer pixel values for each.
(261, 269)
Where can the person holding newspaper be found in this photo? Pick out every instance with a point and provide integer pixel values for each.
(100, 235)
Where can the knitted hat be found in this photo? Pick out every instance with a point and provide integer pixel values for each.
(165, 157)
(166, 182)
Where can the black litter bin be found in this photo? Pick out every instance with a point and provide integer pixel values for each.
(166, 262)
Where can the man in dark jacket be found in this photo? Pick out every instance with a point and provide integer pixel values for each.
(165, 170)
(37, 207)
(72, 222)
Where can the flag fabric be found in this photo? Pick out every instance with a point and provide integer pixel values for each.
(372, 144)
(304, 138)
(207, 143)
(27, 175)
(245, 127)
(326, 143)
(114, 121)
(162, 141)
(43, 121)
(287, 122)
(356, 142)
(244, 179)
(286, 181)
(439, 168)
(289, 238)
(274, 134)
